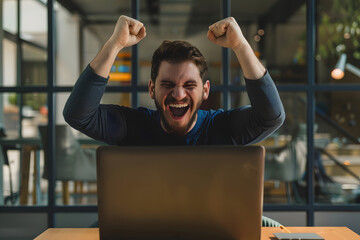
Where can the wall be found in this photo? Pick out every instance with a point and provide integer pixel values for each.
(67, 55)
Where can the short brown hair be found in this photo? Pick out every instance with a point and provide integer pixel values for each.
(177, 52)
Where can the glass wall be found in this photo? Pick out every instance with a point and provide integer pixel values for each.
(24, 64)
(314, 95)
(33, 22)
(67, 48)
(78, 39)
(338, 32)
(336, 143)
(279, 40)
(10, 16)
(337, 154)
(9, 63)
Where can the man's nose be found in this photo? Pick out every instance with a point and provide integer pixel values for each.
(178, 93)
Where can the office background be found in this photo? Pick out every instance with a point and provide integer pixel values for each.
(313, 161)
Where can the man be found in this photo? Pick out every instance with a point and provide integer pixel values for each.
(178, 86)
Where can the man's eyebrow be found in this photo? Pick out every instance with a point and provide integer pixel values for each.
(166, 81)
(191, 81)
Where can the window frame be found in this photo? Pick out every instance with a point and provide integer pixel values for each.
(310, 87)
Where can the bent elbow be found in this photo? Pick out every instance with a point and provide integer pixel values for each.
(281, 119)
(275, 123)
(69, 117)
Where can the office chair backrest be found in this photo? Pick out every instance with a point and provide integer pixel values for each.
(288, 163)
(71, 161)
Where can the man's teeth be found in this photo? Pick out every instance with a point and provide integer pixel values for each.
(180, 105)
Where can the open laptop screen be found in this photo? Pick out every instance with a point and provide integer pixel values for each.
(192, 192)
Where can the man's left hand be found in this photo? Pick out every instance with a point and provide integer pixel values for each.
(226, 33)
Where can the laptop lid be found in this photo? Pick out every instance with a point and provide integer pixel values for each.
(187, 192)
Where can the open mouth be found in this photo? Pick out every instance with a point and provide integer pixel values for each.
(178, 110)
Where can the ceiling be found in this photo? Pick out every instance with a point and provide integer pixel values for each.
(107, 10)
(184, 14)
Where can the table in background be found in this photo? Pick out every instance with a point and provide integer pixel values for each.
(267, 233)
(28, 145)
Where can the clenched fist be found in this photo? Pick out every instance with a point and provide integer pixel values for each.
(226, 33)
(128, 32)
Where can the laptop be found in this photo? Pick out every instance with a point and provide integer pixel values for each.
(180, 193)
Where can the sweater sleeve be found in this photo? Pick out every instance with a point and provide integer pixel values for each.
(84, 112)
(251, 124)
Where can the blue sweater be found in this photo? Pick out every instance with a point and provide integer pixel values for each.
(118, 125)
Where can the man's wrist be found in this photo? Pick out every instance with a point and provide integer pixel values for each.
(241, 47)
(114, 44)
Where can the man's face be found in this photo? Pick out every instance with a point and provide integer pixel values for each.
(178, 93)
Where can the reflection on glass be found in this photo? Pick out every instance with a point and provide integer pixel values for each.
(9, 12)
(179, 20)
(277, 37)
(337, 148)
(338, 35)
(22, 150)
(286, 151)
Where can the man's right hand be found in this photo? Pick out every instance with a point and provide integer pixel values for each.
(127, 32)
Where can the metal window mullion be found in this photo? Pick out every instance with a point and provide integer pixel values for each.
(310, 28)
(51, 116)
(1, 103)
(19, 66)
(134, 59)
(2, 33)
(226, 60)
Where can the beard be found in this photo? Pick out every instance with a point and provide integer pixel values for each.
(172, 129)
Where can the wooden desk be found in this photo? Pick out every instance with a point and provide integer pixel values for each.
(328, 233)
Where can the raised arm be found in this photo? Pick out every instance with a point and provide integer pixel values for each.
(83, 110)
(249, 124)
(227, 33)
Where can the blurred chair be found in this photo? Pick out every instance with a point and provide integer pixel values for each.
(72, 162)
(4, 151)
(12, 198)
(288, 163)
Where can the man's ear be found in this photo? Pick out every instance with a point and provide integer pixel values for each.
(206, 91)
(151, 89)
